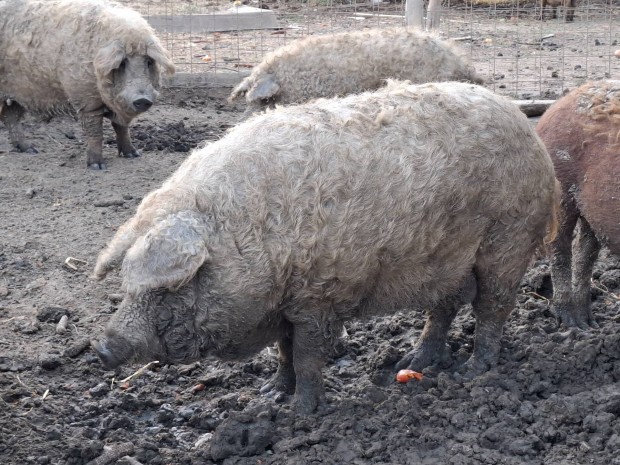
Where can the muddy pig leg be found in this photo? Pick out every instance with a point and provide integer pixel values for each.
(284, 379)
(11, 116)
(499, 269)
(92, 123)
(431, 348)
(561, 265)
(585, 252)
(312, 341)
(123, 142)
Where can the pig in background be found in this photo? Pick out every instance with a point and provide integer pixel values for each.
(420, 197)
(351, 62)
(88, 57)
(569, 8)
(582, 134)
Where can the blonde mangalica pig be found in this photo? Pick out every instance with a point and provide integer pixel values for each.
(84, 57)
(420, 197)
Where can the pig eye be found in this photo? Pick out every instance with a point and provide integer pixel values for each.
(149, 62)
(123, 64)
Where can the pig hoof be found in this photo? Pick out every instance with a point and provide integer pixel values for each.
(106, 357)
(306, 405)
(273, 394)
(277, 385)
(133, 153)
(419, 358)
(25, 148)
(98, 166)
(570, 318)
(473, 368)
(283, 381)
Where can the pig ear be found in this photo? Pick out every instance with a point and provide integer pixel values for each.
(264, 88)
(109, 58)
(168, 255)
(157, 53)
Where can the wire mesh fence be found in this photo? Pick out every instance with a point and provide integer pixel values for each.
(519, 49)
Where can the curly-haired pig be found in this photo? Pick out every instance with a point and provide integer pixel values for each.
(333, 65)
(582, 134)
(420, 197)
(84, 57)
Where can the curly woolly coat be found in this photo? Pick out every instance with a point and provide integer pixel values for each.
(59, 56)
(306, 216)
(351, 62)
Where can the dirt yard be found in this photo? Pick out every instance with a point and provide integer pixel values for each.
(553, 399)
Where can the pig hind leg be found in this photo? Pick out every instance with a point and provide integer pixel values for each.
(431, 348)
(123, 142)
(586, 247)
(561, 268)
(11, 115)
(499, 268)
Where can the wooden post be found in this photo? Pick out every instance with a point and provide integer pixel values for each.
(433, 14)
(414, 14)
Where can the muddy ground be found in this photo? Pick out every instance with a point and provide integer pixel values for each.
(554, 398)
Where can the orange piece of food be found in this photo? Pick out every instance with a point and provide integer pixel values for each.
(197, 388)
(404, 376)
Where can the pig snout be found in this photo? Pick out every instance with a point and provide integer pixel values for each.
(110, 359)
(142, 104)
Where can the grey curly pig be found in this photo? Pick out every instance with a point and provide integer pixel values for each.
(419, 197)
(351, 62)
(88, 57)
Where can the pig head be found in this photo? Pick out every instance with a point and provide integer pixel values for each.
(175, 309)
(128, 80)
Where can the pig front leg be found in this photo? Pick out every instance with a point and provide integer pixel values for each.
(11, 114)
(92, 123)
(309, 353)
(312, 340)
(123, 141)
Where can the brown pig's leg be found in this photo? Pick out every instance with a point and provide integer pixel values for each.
(585, 252)
(561, 265)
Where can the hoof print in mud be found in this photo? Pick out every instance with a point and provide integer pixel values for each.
(244, 434)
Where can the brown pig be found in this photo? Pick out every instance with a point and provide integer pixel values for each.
(582, 134)
(420, 197)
